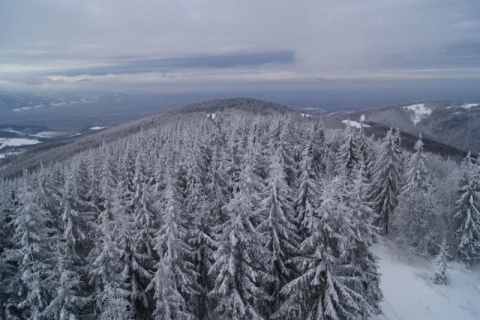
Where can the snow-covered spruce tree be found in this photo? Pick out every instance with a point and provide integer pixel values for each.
(385, 185)
(32, 255)
(362, 236)
(68, 299)
(441, 265)
(467, 213)
(282, 138)
(331, 283)
(173, 283)
(278, 229)
(144, 215)
(8, 206)
(415, 219)
(365, 148)
(348, 153)
(240, 283)
(111, 293)
(201, 230)
(309, 185)
(216, 189)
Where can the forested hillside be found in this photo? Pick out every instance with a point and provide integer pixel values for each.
(228, 215)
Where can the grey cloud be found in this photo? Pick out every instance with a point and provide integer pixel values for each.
(308, 38)
(171, 64)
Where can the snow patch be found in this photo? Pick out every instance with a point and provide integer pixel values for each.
(354, 124)
(409, 292)
(420, 112)
(96, 128)
(362, 118)
(28, 108)
(470, 105)
(75, 135)
(211, 116)
(304, 115)
(16, 142)
(48, 134)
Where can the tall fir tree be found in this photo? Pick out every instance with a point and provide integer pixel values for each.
(415, 219)
(173, 283)
(278, 229)
(32, 255)
(467, 213)
(240, 282)
(386, 182)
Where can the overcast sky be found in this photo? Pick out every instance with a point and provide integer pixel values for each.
(188, 45)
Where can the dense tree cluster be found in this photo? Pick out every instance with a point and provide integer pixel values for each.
(237, 216)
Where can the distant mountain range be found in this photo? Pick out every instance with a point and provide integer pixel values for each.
(450, 123)
(19, 102)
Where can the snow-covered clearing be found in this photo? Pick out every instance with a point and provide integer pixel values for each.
(470, 105)
(354, 124)
(410, 294)
(48, 134)
(97, 128)
(420, 112)
(16, 142)
(211, 115)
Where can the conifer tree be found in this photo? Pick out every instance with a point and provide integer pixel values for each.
(348, 154)
(441, 265)
(239, 286)
(278, 228)
(415, 217)
(331, 281)
(32, 254)
(68, 301)
(467, 216)
(385, 185)
(174, 268)
(111, 293)
(309, 186)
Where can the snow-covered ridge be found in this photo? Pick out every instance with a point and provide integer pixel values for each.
(354, 124)
(420, 112)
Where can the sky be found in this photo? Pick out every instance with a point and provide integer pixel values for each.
(172, 46)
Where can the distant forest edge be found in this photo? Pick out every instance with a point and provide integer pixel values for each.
(254, 213)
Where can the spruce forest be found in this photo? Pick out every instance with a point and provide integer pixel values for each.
(230, 214)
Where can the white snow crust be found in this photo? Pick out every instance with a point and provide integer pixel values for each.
(410, 294)
(420, 110)
(354, 124)
(97, 128)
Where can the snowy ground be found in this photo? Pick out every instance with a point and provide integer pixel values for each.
(410, 294)
(420, 112)
(354, 124)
